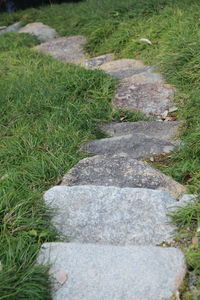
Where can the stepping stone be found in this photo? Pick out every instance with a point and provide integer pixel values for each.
(136, 145)
(120, 170)
(145, 77)
(150, 98)
(41, 31)
(124, 68)
(12, 28)
(95, 62)
(111, 215)
(97, 272)
(67, 49)
(154, 129)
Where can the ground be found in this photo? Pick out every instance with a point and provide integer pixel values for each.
(32, 162)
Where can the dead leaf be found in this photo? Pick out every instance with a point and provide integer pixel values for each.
(147, 41)
(195, 240)
(61, 277)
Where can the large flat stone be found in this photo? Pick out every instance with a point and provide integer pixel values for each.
(96, 272)
(137, 145)
(111, 215)
(154, 129)
(67, 49)
(41, 31)
(124, 68)
(122, 171)
(96, 62)
(145, 77)
(121, 64)
(150, 98)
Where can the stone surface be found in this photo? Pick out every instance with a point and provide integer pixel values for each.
(150, 98)
(41, 31)
(67, 49)
(154, 129)
(12, 28)
(122, 171)
(121, 64)
(95, 62)
(124, 68)
(145, 77)
(97, 272)
(137, 145)
(111, 215)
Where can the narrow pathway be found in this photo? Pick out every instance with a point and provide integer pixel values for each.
(114, 207)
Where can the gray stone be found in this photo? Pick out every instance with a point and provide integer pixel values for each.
(41, 31)
(137, 145)
(187, 199)
(95, 62)
(145, 77)
(12, 28)
(97, 272)
(121, 65)
(67, 49)
(154, 129)
(111, 215)
(150, 98)
(122, 171)
(124, 68)
(125, 74)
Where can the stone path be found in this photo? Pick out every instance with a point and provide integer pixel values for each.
(114, 207)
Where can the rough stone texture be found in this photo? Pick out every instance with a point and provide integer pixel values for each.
(154, 129)
(121, 64)
(97, 272)
(122, 171)
(145, 77)
(124, 74)
(12, 28)
(137, 145)
(95, 62)
(124, 68)
(111, 215)
(150, 98)
(68, 49)
(42, 32)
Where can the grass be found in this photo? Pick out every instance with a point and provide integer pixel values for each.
(47, 110)
(63, 102)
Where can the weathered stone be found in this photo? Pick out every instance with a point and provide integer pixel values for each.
(137, 145)
(12, 28)
(154, 129)
(122, 171)
(95, 62)
(41, 31)
(97, 272)
(150, 98)
(121, 64)
(123, 74)
(124, 68)
(68, 49)
(145, 77)
(111, 215)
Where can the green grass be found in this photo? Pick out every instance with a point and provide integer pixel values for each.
(49, 109)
